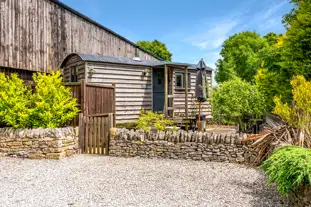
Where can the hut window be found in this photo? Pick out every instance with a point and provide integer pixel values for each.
(73, 74)
(180, 80)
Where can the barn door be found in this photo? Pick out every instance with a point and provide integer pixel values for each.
(94, 133)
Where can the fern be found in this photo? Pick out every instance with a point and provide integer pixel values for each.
(290, 168)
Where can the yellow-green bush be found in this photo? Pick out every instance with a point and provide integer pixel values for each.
(15, 101)
(297, 114)
(149, 119)
(50, 105)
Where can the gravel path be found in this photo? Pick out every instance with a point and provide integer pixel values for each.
(87, 180)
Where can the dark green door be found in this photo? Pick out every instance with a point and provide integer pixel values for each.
(158, 89)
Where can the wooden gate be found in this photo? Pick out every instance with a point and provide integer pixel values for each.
(94, 133)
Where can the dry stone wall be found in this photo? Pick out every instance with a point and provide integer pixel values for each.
(39, 143)
(180, 145)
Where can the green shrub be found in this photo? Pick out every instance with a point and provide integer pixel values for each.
(15, 104)
(128, 125)
(53, 103)
(49, 106)
(149, 119)
(237, 101)
(289, 167)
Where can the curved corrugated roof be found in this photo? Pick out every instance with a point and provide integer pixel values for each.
(128, 61)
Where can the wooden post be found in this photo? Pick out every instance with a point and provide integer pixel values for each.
(110, 125)
(81, 133)
(186, 93)
(172, 95)
(199, 117)
(114, 105)
(84, 106)
(165, 89)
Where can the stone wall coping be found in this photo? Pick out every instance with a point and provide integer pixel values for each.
(38, 132)
(177, 136)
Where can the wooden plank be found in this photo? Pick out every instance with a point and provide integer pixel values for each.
(84, 106)
(101, 135)
(98, 85)
(103, 140)
(98, 115)
(97, 132)
(87, 134)
(105, 126)
(111, 122)
(91, 134)
(107, 81)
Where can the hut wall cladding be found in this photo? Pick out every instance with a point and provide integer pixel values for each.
(38, 34)
(179, 96)
(133, 89)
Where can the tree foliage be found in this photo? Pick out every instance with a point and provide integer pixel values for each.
(290, 168)
(296, 53)
(241, 57)
(156, 48)
(290, 56)
(50, 105)
(236, 101)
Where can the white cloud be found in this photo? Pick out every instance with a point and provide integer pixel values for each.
(271, 23)
(273, 9)
(270, 18)
(214, 36)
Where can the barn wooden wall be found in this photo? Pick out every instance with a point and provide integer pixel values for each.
(38, 34)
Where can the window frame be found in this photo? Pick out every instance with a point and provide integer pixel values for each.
(73, 74)
(183, 80)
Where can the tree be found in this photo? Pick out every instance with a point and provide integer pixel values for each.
(268, 77)
(156, 48)
(296, 53)
(241, 56)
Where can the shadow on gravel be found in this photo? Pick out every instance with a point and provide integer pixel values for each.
(262, 194)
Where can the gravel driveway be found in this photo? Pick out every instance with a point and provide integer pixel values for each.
(87, 180)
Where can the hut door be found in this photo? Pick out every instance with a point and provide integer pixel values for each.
(158, 89)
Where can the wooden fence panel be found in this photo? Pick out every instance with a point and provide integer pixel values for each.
(95, 137)
(97, 106)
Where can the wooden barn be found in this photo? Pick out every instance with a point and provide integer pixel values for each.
(36, 35)
(160, 86)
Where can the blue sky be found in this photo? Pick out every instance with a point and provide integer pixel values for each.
(191, 29)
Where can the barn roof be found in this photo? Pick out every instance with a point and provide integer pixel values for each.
(128, 61)
(100, 26)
